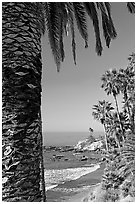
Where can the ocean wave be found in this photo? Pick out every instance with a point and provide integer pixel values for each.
(74, 190)
(59, 176)
(51, 187)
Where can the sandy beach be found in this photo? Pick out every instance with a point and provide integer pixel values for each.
(94, 178)
(80, 197)
(90, 181)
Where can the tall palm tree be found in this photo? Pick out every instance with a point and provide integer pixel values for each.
(23, 24)
(111, 85)
(124, 83)
(127, 84)
(101, 113)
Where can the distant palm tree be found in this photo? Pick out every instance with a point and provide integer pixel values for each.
(23, 24)
(111, 85)
(101, 113)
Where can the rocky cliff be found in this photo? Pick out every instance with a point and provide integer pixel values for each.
(89, 144)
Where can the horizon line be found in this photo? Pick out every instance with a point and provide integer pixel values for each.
(70, 131)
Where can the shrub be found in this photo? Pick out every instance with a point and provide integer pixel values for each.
(111, 195)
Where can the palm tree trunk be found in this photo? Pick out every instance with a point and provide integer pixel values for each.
(127, 105)
(118, 143)
(106, 136)
(119, 117)
(126, 101)
(21, 98)
(133, 119)
(42, 165)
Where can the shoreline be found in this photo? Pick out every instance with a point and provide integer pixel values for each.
(90, 181)
(82, 196)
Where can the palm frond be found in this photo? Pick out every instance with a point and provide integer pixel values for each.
(53, 28)
(65, 16)
(61, 44)
(127, 164)
(105, 23)
(63, 21)
(71, 20)
(80, 16)
(131, 7)
(73, 41)
(92, 12)
(113, 30)
(102, 110)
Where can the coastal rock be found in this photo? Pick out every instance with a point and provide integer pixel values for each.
(93, 146)
(89, 144)
(59, 149)
(57, 156)
(84, 158)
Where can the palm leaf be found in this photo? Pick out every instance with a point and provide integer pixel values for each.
(91, 11)
(53, 28)
(80, 17)
(113, 31)
(105, 24)
(131, 7)
(63, 17)
(73, 40)
(61, 44)
(127, 164)
(71, 20)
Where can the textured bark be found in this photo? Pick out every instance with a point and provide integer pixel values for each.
(42, 182)
(21, 98)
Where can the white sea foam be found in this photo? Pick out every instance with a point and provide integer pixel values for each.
(58, 176)
(50, 187)
(69, 190)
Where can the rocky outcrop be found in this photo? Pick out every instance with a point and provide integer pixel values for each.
(87, 144)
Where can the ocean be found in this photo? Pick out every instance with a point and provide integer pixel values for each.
(65, 138)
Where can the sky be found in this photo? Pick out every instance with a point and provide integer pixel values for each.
(68, 96)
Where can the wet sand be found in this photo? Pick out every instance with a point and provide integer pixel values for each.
(82, 197)
(89, 181)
